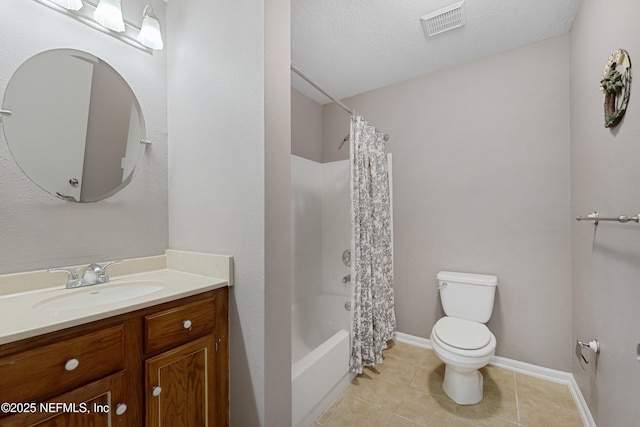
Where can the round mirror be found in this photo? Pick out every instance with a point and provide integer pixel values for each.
(73, 125)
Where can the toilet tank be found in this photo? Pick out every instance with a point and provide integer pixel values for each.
(467, 296)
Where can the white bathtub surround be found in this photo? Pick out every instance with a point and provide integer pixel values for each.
(336, 226)
(321, 222)
(371, 248)
(320, 324)
(318, 378)
(319, 354)
(556, 376)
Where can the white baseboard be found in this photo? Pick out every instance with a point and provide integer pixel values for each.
(583, 408)
(414, 341)
(560, 377)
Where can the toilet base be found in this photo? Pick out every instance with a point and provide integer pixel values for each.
(463, 386)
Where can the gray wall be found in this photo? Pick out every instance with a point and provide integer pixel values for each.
(605, 176)
(229, 161)
(306, 127)
(481, 184)
(277, 321)
(38, 230)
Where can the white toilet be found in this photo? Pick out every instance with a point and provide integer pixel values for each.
(461, 339)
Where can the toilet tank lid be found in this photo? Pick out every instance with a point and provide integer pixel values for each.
(476, 279)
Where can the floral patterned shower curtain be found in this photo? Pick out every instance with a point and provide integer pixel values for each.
(373, 320)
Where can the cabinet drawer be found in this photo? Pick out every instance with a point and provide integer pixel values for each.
(178, 325)
(37, 373)
(96, 397)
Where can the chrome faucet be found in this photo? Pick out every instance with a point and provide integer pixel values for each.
(93, 274)
(73, 282)
(96, 275)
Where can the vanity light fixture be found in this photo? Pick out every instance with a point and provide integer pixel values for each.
(109, 15)
(69, 4)
(150, 35)
(106, 17)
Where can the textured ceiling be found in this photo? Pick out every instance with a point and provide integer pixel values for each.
(353, 46)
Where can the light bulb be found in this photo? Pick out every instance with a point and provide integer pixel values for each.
(150, 35)
(109, 15)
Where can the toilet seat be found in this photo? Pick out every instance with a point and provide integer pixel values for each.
(462, 334)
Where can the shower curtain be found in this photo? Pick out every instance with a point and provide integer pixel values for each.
(373, 320)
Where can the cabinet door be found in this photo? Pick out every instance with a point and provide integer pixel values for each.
(180, 386)
(93, 405)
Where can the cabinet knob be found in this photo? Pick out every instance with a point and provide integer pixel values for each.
(71, 364)
(121, 408)
(156, 391)
(187, 324)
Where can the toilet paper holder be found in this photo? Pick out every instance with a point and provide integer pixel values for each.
(593, 345)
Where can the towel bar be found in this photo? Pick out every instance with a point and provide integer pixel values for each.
(595, 217)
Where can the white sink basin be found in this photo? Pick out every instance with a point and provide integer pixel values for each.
(92, 296)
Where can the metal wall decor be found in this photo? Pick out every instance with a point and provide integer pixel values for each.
(616, 86)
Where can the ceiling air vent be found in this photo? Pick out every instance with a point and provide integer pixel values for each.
(444, 19)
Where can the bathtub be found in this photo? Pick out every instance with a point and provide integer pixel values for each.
(320, 348)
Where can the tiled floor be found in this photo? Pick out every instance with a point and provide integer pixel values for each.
(406, 391)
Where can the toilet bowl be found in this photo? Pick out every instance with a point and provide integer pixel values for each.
(461, 339)
(464, 348)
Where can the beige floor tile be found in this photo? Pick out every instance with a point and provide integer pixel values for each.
(495, 403)
(406, 391)
(354, 412)
(385, 394)
(429, 378)
(503, 378)
(327, 414)
(488, 422)
(426, 409)
(543, 403)
(548, 415)
(532, 387)
(407, 352)
(393, 369)
(398, 421)
(431, 360)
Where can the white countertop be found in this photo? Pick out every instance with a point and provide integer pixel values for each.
(21, 317)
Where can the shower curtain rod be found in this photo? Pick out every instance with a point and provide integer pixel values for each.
(312, 83)
(337, 101)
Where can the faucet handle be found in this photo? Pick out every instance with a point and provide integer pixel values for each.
(104, 267)
(105, 276)
(73, 281)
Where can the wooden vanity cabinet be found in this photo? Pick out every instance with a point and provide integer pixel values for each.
(180, 385)
(186, 378)
(109, 368)
(93, 405)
